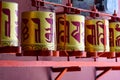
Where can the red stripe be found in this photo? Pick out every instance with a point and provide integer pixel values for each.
(65, 41)
(105, 37)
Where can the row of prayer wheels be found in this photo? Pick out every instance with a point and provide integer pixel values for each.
(45, 30)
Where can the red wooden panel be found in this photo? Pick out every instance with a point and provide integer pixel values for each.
(54, 53)
(10, 49)
(69, 69)
(8, 63)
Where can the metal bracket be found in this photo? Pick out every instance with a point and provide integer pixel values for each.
(105, 70)
(63, 70)
(61, 74)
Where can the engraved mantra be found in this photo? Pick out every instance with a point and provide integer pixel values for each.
(113, 38)
(7, 27)
(96, 37)
(7, 22)
(37, 30)
(76, 34)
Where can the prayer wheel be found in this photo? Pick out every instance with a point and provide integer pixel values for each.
(38, 30)
(8, 24)
(97, 35)
(114, 30)
(70, 32)
(114, 36)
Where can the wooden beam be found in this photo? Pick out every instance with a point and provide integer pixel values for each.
(73, 53)
(13, 63)
(101, 54)
(107, 54)
(106, 70)
(37, 53)
(61, 74)
(118, 54)
(54, 53)
(70, 69)
(102, 68)
(10, 49)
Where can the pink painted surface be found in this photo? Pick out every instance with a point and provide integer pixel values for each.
(13, 63)
(41, 73)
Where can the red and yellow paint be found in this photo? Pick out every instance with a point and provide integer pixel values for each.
(70, 32)
(8, 24)
(114, 36)
(38, 30)
(97, 35)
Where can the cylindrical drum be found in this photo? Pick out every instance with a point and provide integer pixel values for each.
(114, 30)
(70, 32)
(8, 24)
(97, 35)
(38, 30)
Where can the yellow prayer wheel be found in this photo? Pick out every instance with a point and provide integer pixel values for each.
(97, 35)
(70, 32)
(8, 24)
(38, 30)
(114, 30)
